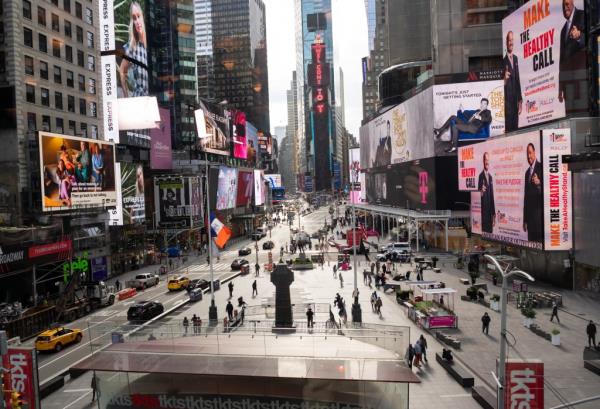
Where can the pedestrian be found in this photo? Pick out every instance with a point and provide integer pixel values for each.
(309, 317)
(230, 289)
(423, 342)
(418, 352)
(365, 274)
(197, 325)
(389, 266)
(485, 323)
(591, 333)
(373, 300)
(256, 269)
(370, 279)
(442, 299)
(372, 268)
(94, 386)
(410, 355)
(243, 313)
(377, 266)
(229, 310)
(186, 324)
(194, 319)
(408, 275)
(254, 289)
(383, 268)
(335, 271)
(341, 280)
(355, 295)
(118, 285)
(378, 305)
(554, 312)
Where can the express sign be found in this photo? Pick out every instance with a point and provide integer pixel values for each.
(524, 384)
(22, 376)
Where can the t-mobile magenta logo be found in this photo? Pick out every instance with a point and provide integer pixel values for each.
(423, 186)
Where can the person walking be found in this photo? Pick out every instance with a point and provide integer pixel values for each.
(254, 289)
(378, 305)
(229, 309)
(370, 281)
(186, 324)
(194, 318)
(256, 269)
(365, 274)
(335, 271)
(410, 355)
(423, 343)
(591, 333)
(377, 266)
(118, 285)
(309, 317)
(94, 386)
(485, 323)
(384, 268)
(372, 268)
(554, 312)
(418, 352)
(341, 280)
(230, 289)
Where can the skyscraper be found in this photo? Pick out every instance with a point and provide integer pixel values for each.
(288, 151)
(316, 90)
(231, 49)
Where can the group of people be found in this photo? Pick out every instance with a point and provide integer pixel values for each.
(376, 303)
(196, 324)
(417, 353)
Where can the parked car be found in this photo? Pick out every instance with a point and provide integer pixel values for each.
(268, 245)
(143, 280)
(57, 338)
(178, 283)
(198, 283)
(262, 232)
(144, 310)
(244, 251)
(256, 236)
(238, 263)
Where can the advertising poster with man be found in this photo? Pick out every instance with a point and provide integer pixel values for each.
(467, 112)
(76, 172)
(173, 200)
(508, 175)
(132, 193)
(544, 61)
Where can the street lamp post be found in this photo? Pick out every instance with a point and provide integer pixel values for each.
(501, 378)
(212, 310)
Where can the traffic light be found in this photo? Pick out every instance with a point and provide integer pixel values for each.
(16, 400)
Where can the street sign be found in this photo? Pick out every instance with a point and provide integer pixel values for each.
(22, 376)
(524, 379)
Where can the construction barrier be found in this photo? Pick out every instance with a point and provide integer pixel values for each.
(126, 293)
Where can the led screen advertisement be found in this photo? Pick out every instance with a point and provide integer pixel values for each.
(523, 189)
(245, 188)
(160, 150)
(467, 111)
(355, 174)
(274, 180)
(76, 172)
(132, 193)
(178, 202)
(252, 138)
(227, 188)
(259, 187)
(240, 142)
(216, 137)
(544, 61)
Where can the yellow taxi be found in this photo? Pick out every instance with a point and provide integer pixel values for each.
(178, 283)
(56, 339)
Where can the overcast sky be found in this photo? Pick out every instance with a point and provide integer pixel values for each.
(350, 45)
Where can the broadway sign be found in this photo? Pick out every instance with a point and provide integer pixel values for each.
(15, 257)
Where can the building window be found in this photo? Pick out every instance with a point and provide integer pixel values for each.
(69, 53)
(89, 15)
(56, 48)
(67, 5)
(70, 79)
(45, 123)
(92, 86)
(80, 58)
(42, 43)
(55, 23)
(27, 37)
(94, 131)
(83, 128)
(488, 63)
(45, 95)
(57, 74)
(2, 61)
(70, 103)
(82, 107)
(43, 70)
(30, 93)
(72, 126)
(31, 121)
(79, 34)
(28, 65)
(81, 82)
(90, 39)
(78, 10)
(93, 109)
(91, 63)
(55, 2)
(41, 16)
(58, 100)
(67, 25)
(60, 125)
(27, 9)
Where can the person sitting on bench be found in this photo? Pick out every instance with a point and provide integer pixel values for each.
(447, 355)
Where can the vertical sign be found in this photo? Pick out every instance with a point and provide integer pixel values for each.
(557, 189)
(524, 384)
(21, 363)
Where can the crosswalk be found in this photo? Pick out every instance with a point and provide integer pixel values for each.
(204, 268)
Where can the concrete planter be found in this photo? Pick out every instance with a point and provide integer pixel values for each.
(556, 339)
(527, 322)
(495, 305)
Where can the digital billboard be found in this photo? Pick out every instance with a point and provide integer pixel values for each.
(76, 172)
(355, 175)
(160, 150)
(274, 180)
(544, 61)
(240, 142)
(227, 188)
(523, 188)
(178, 201)
(467, 111)
(217, 136)
(132, 193)
(259, 187)
(401, 134)
(252, 138)
(245, 188)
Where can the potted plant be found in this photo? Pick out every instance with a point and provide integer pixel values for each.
(529, 315)
(472, 293)
(495, 302)
(555, 336)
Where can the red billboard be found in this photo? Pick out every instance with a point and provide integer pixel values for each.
(21, 377)
(524, 384)
(245, 188)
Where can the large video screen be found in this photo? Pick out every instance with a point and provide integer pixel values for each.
(218, 138)
(274, 180)
(544, 62)
(178, 201)
(355, 175)
(245, 188)
(132, 193)
(252, 138)
(259, 187)
(240, 141)
(466, 112)
(76, 172)
(523, 196)
(227, 188)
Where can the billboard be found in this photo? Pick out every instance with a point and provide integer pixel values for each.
(252, 138)
(21, 376)
(523, 187)
(218, 136)
(524, 380)
(227, 188)
(76, 172)
(274, 180)
(240, 141)
(160, 148)
(132, 193)
(401, 134)
(178, 202)
(259, 187)
(544, 61)
(245, 188)
(355, 174)
(467, 111)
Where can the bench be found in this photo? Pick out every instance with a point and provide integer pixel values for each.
(592, 365)
(464, 281)
(484, 397)
(481, 286)
(462, 376)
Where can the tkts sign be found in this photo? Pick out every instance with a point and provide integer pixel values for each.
(21, 377)
(524, 384)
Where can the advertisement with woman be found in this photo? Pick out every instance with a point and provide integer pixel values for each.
(76, 172)
(132, 193)
(240, 144)
(227, 188)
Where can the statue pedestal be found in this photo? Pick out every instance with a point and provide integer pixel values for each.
(356, 313)
(282, 277)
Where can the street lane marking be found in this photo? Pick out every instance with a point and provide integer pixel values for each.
(78, 399)
(77, 390)
(458, 395)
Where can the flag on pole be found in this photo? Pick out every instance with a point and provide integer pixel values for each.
(220, 232)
